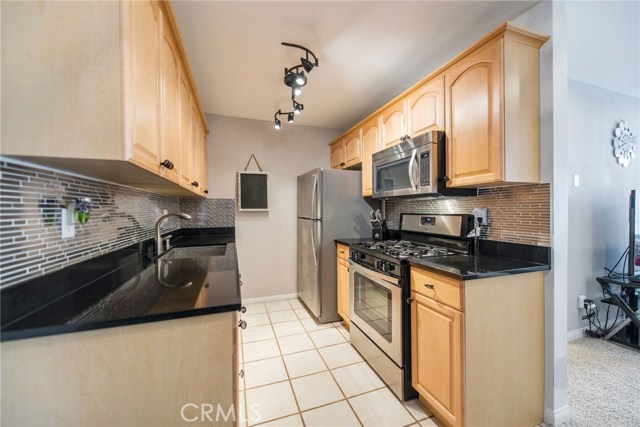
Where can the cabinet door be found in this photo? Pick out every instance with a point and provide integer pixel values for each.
(352, 148)
(142, 75)
(394, 124)
(436, 356)
(186, 141)
(426, 107)
(196, 152)
(337, 155)
(474, 123)
(204, 172)
(343, 289)
(370, 145)
(169, 100)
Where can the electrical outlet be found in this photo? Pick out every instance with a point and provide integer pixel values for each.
(480, 213)
(581, 299)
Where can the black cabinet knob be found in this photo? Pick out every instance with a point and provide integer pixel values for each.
(409, 300)
(242, 324)
(342, 164)
(206, 191)
(243, 309)
(167, 164)
(195, 184)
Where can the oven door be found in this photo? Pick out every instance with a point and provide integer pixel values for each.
(376, 308)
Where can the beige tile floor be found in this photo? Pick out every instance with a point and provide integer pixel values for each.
(301, 373)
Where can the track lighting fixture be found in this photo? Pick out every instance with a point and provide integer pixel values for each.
(295, 78)
(276, 120)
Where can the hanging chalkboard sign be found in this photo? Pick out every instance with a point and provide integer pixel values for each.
(253, 191)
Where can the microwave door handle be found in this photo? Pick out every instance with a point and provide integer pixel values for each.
(412, 163)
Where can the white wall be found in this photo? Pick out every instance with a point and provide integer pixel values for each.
(598, 208)
(266, 241)
(550, 18)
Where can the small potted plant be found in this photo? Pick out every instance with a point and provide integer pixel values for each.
(83, 209)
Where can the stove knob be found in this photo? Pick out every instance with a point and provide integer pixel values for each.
(390, 267)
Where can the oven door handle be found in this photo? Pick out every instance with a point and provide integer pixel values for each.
(374, 275)
(412, 163)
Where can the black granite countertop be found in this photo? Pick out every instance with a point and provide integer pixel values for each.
(494, 259)
(469, 267)
(127, 286)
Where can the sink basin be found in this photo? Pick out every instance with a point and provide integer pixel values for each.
(196, 252)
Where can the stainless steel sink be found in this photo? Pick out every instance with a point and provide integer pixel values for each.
(195, 252)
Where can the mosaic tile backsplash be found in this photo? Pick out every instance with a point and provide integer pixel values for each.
(30, 201)
(519, 214)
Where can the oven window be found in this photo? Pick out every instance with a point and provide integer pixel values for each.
(393, 176)
(372, 304)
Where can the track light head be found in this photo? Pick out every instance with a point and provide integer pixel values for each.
(277, 125)
(290, 118)
(293, 78)
(307, 65)
(296, 91)
(297, 107)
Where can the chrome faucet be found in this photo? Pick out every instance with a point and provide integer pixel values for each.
(158, 238)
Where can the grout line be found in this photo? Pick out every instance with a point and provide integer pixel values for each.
(330, 370)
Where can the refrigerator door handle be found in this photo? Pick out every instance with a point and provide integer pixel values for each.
(313, 244)
(314, 195)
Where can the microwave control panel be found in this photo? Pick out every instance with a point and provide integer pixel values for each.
(425, 169)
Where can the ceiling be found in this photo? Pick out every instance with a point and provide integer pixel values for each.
(369, 52)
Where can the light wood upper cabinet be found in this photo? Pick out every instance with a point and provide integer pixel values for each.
(337, 154)
(141, 63)
(492, 101)
(436, 338)
(114, 117)
(394, 123)
(487, 100)
(169, 101)
(426, 107)
(346, 151)
(186, 131)
(352, 149)
(343, 282)
(475, 151)
(370, 145)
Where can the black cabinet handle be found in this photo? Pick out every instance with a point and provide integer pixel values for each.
(195, 183)
(167, 164)
(242, 324)
(241, 373)
(428, 286)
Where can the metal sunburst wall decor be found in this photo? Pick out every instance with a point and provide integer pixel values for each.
(624, 144)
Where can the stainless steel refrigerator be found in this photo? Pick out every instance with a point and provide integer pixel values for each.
(330, 206)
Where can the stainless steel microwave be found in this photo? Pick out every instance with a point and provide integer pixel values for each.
(409, 168)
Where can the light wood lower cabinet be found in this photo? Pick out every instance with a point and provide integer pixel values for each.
(343, 282)
(140, 375)
(483, 363)
(437, 345)
(115, 117)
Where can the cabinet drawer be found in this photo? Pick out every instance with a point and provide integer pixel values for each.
(342, 251)
(439, 288)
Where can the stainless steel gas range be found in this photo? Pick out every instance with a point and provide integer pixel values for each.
(379, 290)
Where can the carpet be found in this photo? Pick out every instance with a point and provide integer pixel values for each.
(604, 384)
